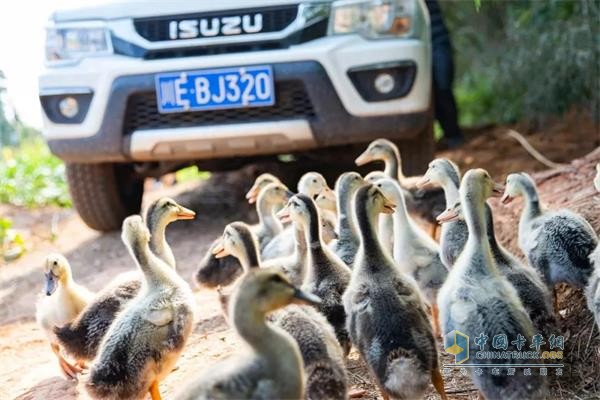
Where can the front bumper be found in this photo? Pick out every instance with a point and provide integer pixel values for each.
(332, 113)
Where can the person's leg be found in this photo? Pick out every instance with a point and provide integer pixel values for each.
(444, 102)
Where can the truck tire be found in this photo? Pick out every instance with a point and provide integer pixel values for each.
(104, 194)
(416, 153)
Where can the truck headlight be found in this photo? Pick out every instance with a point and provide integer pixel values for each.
(375, 19)
(72, 44)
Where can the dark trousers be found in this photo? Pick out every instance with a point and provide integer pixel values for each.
(443, 77)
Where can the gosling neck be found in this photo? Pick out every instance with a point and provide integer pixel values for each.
(269, 342)
(345, 225)
(499, 252)
(66, 278)
(158, 240)
(403, 225)
(266, 215)
(370, 248)
(478, 245)
(300, 248)
(532, 201)
(491, 234)
(392, 165)
(451, 194)
(250, 324)
(155, 271)
(312, 229)
(248, 254)
(313, 240)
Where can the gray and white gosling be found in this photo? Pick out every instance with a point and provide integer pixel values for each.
(62, 301)
(259, 183)
(415, 253)
(477, 300)
(158, 215)
(443, 172)
(347, 244)
(271, 367)
(326, 274)
(81, 337)
(593, 289)
(425, 204)
(557, 243)
(214, 272)
(325, 373)
(270, 200)
(314, 185)
(386, 315)
(310, 184)
(145, 340)
(326, 201)
(327, 204)
(293, 266)
(529, 286)
(386, 221)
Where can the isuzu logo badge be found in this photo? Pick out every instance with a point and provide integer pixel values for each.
(215, 26)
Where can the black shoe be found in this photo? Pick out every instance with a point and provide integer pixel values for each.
(450, 143)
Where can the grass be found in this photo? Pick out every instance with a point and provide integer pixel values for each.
(191, 174)
(30, 176)
(12, 245)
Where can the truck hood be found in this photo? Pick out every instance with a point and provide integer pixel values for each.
(108, 10)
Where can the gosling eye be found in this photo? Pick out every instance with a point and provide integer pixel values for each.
(55, 263)
(314, 181)
(276, 279)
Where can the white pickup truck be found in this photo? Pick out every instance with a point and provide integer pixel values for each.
(136, 89)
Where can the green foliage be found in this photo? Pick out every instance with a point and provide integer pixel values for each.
(191, 174)
(12, 245)
(7, 131)
(525, 59)
(475, 96)
(31, 176)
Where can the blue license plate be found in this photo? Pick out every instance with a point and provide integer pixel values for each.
(215, 89)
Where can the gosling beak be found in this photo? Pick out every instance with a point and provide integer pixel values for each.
(219, 250)
(449, 215)
(363, 159)
(389, 207)
(252, 195)
(302, 297)
(506, 198)
(424, 181)
(284, 215)
(497, 190)
(51, 284)
(185, 213)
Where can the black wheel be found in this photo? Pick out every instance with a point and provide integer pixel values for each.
(105, 194)
(417, 152)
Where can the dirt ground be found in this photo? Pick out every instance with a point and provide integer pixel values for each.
(28, 369)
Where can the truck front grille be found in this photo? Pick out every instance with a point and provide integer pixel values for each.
(188, 26)
(292, 101)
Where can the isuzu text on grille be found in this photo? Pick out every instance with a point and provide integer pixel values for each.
(208, 27)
